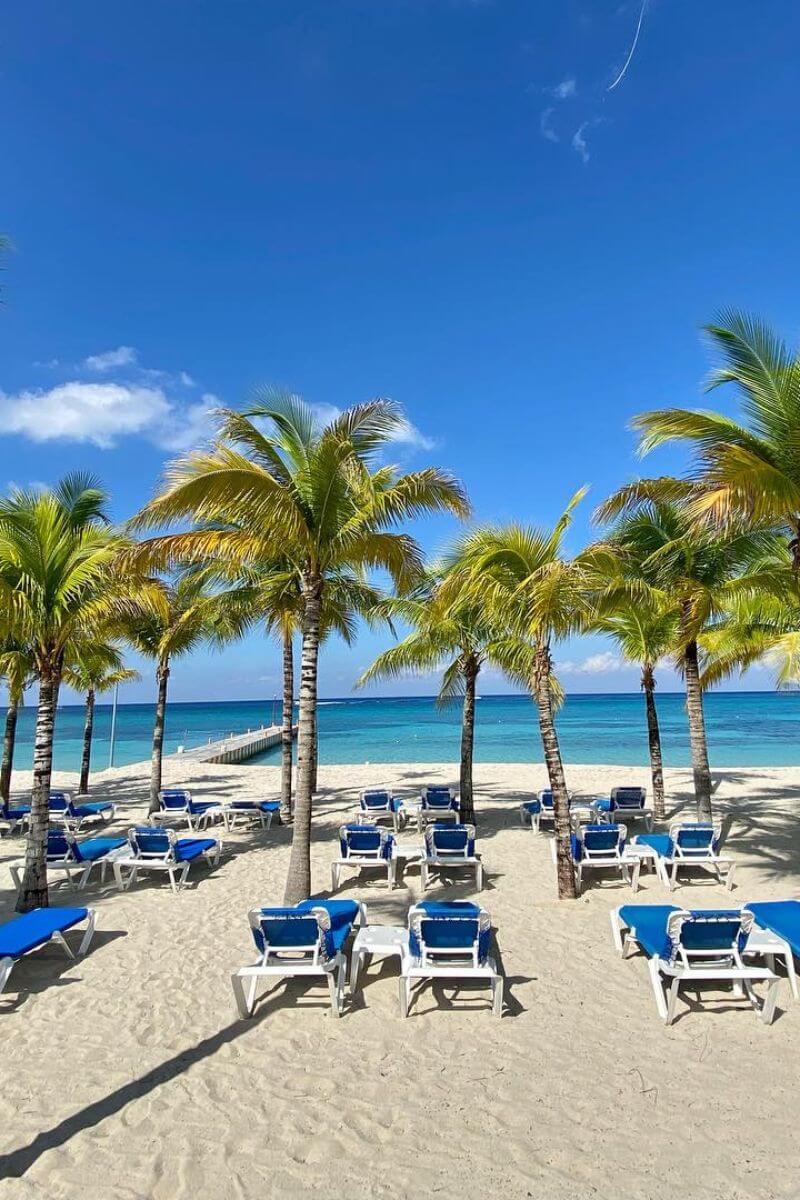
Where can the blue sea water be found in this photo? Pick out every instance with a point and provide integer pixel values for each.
(744, 729)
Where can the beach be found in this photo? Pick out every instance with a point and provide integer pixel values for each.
(127, 1075)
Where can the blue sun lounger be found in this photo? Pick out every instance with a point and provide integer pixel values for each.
(704, 946)
(626, 803)
(258, 812)
(533, 812)
(364, 846)
(16, 815)
(154, 849)
(688, 844)
(176, 804)
(600, 847)
(307, 940)
(378, 804)
(437, 803)
(71, 815)
(450, 847)
(449, 941)
(26, 933)
(782, 918)
(65, 853)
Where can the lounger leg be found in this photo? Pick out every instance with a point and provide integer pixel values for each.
(673, 1000)
(62, 941)
(392, 872)
(767, 1011)
(6, 965)
(673, 877)
(355, 969)
(616, 931)
(84, 879)
(658, 989)
(17, 884)
(334, 974)
(729, 880)
(479, 876)
(423, 871)
(269, 819)
(172, 883)
(334, 877)
(404, 988)
(243, 1003)
(89, 934)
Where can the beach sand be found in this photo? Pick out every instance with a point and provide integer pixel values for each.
(128, 1075)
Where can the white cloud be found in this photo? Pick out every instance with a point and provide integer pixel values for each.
(99, 413)
(188, 426)
(123, 356)
(595, 664)
(546, 125)
(406, 435)
(566, 89)
(186, 379)
(579, 142)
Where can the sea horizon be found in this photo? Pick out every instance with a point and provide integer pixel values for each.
(745, 728)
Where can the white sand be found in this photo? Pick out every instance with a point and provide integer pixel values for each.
(128, 1075)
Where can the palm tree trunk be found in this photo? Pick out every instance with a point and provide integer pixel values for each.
(86, 758)
(555, 773)
(9, 739)
(697, 732)
(286, 728)
(162, 675)
(654, 740)
(315, 752)
(471, 669)
(298, 878)
(33, 893)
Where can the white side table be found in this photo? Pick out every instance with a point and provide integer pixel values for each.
(376, 939)
(763, 943)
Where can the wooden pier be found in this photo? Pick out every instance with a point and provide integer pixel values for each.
(235, 748)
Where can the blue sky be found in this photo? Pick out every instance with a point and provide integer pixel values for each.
(435, 200)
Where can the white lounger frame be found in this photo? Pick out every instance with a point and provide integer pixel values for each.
(450, 964)
(453, 860)
(299, 961)
(666, 977)
(628, 866)
(177, 871)
(7, 963)
(364, 858)
(668, 867)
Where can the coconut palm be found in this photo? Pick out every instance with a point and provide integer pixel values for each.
(319, 498)
(17, 669)
(189, 615)
(744, 471)
(529, 589)
(644, 632)
(59, 581)
(93, 667)
(449, 633)
(685, 569)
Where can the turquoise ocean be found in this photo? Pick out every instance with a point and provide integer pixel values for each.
(744, 729)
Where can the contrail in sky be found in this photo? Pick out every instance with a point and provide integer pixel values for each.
(621, 75)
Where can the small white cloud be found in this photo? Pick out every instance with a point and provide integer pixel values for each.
(565, 90)
(546, 125)
(187, 427)
(595, 664)
(186, 379)
(579, 142)
(123, 356)
(409, 435)
(83, 412)
(51, 364)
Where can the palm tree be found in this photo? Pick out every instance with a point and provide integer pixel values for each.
(450, 634)
(94, 667)
(644, 633)
(189, 615)
(537, 596)
(743, 472)
(320, 499)
(17, 668)
(685, 569)
(59, 581)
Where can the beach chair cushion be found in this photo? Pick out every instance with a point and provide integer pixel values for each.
(448, 925)
(365, 839)
(449, 908)
(691, 839)
(92, 809)
(596, 838)
(444, 838)
(648, 925)
(289, 927)
(781, 917)
(89, 850)
(33, 929)
(532, 806)
(628, 797)
(703, 930)
(341, 912)
(660, 842)
(187, 849)
(380, 799)
(16, 813)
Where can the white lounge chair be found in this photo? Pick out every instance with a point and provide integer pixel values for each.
(21, 935)
(76, 859)
(176, 804)
(449, 941)
(254, 812)
(162, 850)
(688, 844)
(600, 847)
(378, 804)
(437, 804)
(693, 948)
(626, 804)
(64, 811)
(307, 940)
(16, 816)
(449, 847)
(363, 846)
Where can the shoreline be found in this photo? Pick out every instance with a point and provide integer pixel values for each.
(128, 1076)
